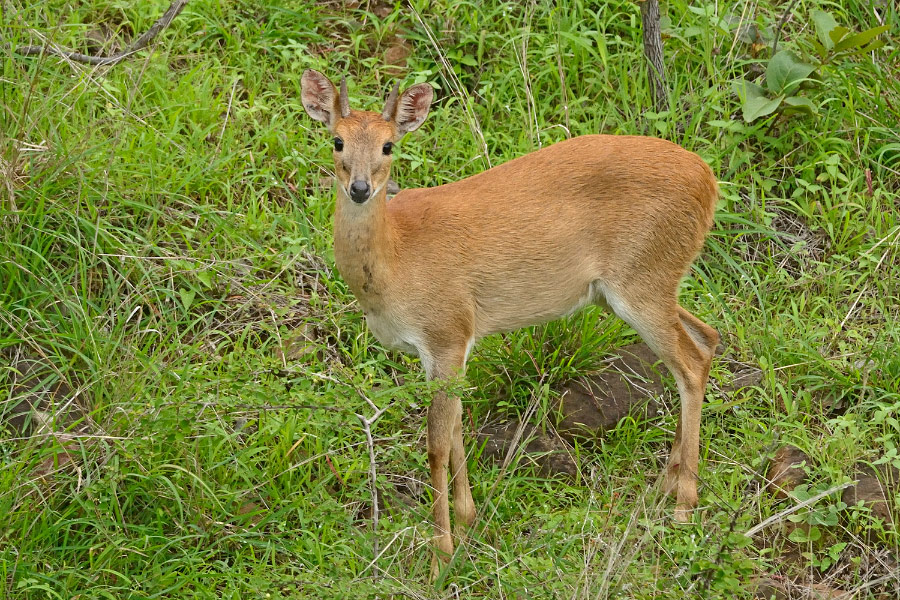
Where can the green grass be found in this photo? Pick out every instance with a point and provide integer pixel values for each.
(165, 240)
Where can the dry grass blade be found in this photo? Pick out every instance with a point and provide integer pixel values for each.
(458, 89)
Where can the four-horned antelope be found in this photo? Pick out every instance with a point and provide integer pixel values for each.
(598, 219)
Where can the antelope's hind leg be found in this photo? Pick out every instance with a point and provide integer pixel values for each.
(707, 339)
(686, 345)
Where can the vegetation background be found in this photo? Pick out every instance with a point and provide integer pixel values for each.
(196, 365)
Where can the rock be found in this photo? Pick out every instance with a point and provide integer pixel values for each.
(591, 406)
(396, 54)
(381, 9)
(769, 589)
(746, 377)
(786, 471)
(545, 451)
(876, 486)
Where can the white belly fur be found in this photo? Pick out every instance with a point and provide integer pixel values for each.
(393, 333)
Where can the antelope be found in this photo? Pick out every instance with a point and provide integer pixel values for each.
(597, 219)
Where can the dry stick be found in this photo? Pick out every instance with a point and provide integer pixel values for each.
(781, 22)
(176, 7)
(367, 427)
(227, 114)
(792, 509)
(864, 289)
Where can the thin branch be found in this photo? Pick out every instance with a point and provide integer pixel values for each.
(792, 509)
(139, 44)
(456, 86)
(367, 427)
(781, 22)
(222, 133)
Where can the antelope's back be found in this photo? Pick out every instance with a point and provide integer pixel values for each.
(544, 226)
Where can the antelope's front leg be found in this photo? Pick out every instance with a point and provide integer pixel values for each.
(445, 447)
(440, 430)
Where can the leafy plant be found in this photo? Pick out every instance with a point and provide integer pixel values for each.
(785, 72)
(784, 75)
(836, 41)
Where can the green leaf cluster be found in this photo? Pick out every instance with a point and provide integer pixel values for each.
(786, 73)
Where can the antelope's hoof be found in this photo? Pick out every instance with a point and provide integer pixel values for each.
(684, 513)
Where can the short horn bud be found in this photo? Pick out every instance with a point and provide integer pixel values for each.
(344, 99)
(391, 105)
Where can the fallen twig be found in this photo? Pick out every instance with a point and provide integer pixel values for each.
(367, 423)
(139, 44)
(792, 509)
(781, 22)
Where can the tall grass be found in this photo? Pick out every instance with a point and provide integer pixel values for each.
(165, 254)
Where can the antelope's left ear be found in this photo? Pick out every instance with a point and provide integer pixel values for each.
(408, 111)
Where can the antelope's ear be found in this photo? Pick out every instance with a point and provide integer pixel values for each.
(320, 98)
(409, 110)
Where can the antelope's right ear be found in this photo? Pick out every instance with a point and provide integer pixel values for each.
(320, 98)
(410, 109)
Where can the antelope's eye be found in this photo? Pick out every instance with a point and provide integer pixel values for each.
(338, 144)
(387, 148)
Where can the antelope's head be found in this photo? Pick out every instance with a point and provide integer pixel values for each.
(363, 141)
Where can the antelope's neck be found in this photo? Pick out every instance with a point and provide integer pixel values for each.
(363, 248)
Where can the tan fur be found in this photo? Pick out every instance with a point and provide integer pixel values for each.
(613, 220)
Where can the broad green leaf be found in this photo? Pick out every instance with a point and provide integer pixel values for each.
(859, 39)
(187, 297)
(206, 278)
(785, 73)
(835, 551)
(585, 42)
(754, 102)
(601, 47)
(703, 11)
(800, 104)
(875, 45)
(692, 31)
(760, 106)
(838, 33)
(734, 126)
(819, 48)
(825, 23)
(799, 536)
(745, 89)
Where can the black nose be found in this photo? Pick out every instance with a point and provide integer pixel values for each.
(359, 191)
